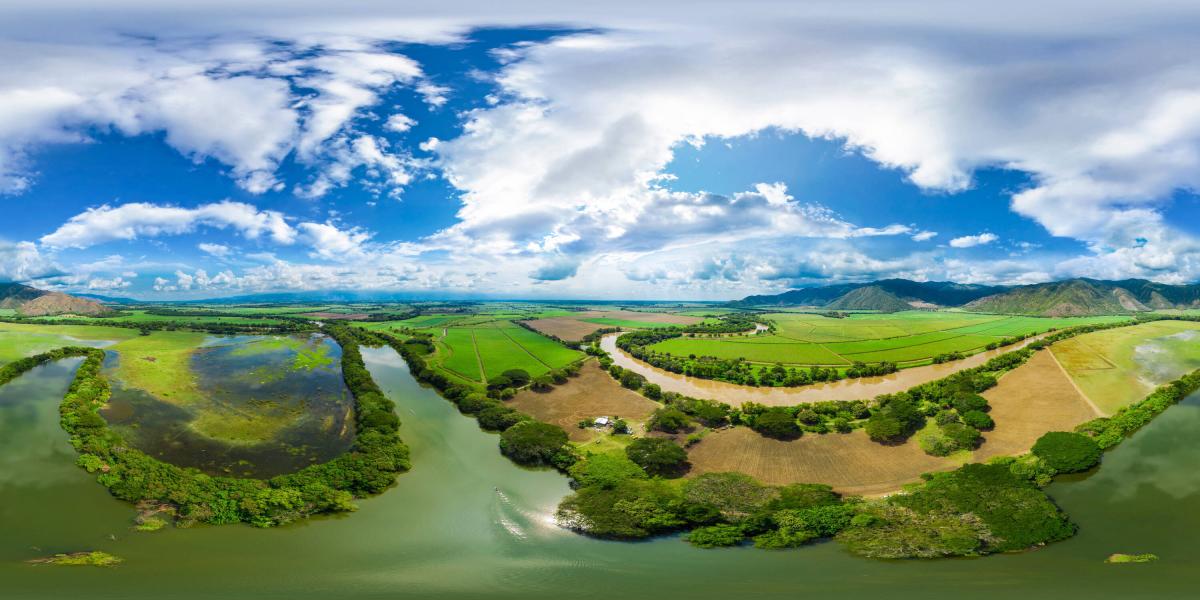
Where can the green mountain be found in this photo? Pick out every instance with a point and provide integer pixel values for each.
(1082, 297)
(32, 302)
(938, 293)
(869, 298)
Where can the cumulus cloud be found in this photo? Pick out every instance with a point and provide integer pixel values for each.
(139, 219)
(970, 241)
(924, 236)
(217, 250)
(23, 261)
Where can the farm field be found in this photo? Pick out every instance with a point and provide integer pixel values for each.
(480, 351)
(592, 394)
(1120, 366)
(908, 338)
(18, 340)
(849, 462)
(141, 316)
(564, 328)
(1028, 401)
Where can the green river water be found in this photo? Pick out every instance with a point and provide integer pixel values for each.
(466, 523)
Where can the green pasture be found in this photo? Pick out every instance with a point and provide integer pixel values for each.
(906, 337)
(495, 347)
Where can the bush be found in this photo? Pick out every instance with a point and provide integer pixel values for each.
(657, 456)
(532, 442)
(716, 536)
(734, 496)
(635, 508)
(652, 391)
(631, 380)
(965, 403)
(978, 419)
(499, 418)
(605, 470)
(1067, 452)
(777, 422)
(963, 435)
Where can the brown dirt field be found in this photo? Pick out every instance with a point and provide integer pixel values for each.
(564, 328)
(850, 462)
(592, 394)
(1029, 401)
(633, 315)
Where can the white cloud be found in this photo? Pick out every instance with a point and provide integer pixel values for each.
(434, 95)
(399, 123)
(331, 243)
(970, 241)
(138, 219)
(924, 236)
(217, 250)
(23, 261)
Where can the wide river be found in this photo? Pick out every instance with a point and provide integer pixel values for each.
(466, 523)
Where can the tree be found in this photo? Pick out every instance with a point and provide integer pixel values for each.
(964, 436)
(652, 391)
(669, 419)
(1067, 452)
(532, 442)
(883, 428)
(632, 380)
(965, 403)
(517, 377)
(777, 422)
(658, 456)
(499, 418)
(978, 419)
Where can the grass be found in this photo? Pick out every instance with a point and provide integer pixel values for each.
(140, 316)
(909, 338)
(1120, 366)
(159, 364)
(18, 340)
(489, 347)
(309, 353)
(94, 558)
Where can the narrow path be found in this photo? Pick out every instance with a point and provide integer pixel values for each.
(478, 358)
(1076, 385)
(526, 350)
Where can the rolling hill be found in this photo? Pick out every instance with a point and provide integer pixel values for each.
(912, 293)
(1072, 297)
(869, 298)
(32, 302)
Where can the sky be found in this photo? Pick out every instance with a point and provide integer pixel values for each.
(617, 150)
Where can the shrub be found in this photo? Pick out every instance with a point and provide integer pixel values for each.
(605, 470)
(716, 536)
(734, 496)
(499, 418)
(474, 403)
(963, 435)
(944, 417)
(631, 380)
(532, 442)
(1067, 452)
(652, 391)
(634, 508)
(978, 419)
(657, 456)
(965, 403)
(777, 422)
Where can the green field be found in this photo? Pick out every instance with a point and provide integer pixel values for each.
(908, 337)
(141, 316)
(495, 347)
(1119, 366)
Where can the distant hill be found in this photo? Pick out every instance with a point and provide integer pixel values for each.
(869, 298)
(32, 302)
(914, 293)
(1082, 297)
(1072, 297)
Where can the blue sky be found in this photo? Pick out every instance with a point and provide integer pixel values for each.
(540, 151)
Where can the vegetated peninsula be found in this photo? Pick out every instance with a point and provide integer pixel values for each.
(1069, 298)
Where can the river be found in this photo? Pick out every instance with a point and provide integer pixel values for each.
(862, 388)
(466, 523)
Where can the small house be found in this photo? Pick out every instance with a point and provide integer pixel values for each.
(603, 422)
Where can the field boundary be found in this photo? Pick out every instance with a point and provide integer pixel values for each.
(1075, 385)
(478, 358)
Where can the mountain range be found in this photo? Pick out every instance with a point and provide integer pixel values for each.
(1072, 297)
(32, 302)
